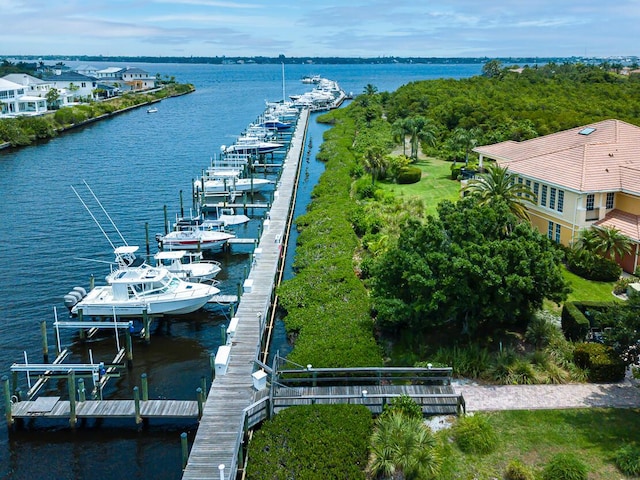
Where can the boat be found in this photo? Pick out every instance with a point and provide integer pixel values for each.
(135, 288)
(311, 79)
(251, 145)
(229, 181)
(152, 110)
(195, 234)
(188, 265)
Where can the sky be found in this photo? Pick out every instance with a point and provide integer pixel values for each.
(321, 28)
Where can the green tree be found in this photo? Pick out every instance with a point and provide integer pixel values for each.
(606, 241)
(420, 129)
(403, 447)
(53, 98)
(466, 140)
(374, 161)
(370, 89)
(492, 69)
(498, 185)
(624, 334)
(476, 267)
(400, 129)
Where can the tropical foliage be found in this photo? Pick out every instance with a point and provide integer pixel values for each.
(475, 267)
(497, 185)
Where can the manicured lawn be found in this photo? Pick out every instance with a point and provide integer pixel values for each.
(436, 184)
(534, 437)
(588, 290)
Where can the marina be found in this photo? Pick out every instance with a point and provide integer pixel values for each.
(180, 348)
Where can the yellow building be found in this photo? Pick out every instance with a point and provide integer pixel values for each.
(582, 177)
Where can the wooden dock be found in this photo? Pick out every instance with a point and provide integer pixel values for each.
(53, 407)
(221, 427)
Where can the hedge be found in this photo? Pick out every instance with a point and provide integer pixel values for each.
(574, 324)
(409, 175)
(601, 362)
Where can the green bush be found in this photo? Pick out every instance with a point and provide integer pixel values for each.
(541, 329)
(312, 442)
(574, 324)
(474, 434)
(601, 362)
(409, 175)
(627, 459)
(565, 466)
(405, 405)
(516, 470)
(592, 266)
(456, 171)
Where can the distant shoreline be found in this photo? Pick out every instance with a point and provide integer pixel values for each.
(308, 60)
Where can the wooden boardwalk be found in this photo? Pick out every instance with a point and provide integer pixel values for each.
(221, 426)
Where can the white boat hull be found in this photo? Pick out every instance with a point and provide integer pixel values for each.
(99, 302)
(238, 185)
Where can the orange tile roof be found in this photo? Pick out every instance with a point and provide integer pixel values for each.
(606, 160)
(627, 223)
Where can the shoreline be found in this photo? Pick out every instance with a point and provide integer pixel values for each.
(7, 145)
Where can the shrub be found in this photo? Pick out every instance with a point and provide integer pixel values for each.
(409, 175)
(516, 470)
(312, 441)
(541, 329)
(627, 459)
(456, 171)
(565, 466)
(405, 405)
(574, 324)
(474, 434)
(601, 362)
(592, 266)
(622, 284)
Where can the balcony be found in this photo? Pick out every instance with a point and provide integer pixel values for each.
(592, 215)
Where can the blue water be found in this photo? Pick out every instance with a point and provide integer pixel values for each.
(136, 164)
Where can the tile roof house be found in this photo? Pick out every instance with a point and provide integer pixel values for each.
(584, 176)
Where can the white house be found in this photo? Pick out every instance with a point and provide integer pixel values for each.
(138, 79)
(73, 86)
(15, 101)
(33, 85)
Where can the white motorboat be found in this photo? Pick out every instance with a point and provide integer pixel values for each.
(195, 236)
(229, 181)
(252, 145)
(152, 110)
(188, 265)
(134, 289)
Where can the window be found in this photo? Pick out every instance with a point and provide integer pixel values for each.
(536, 189)
(560, 200)
(520, 183)
(550, 231)
(528, 184)
(591, 200)
(558, 232)
(543, 199)
(552, 199)
(610, 197)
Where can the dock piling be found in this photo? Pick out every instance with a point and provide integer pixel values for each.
(136, 401)
(185, 449)
(71, 381)
(145, 387)
(200, 396)
(82, 394)
(7, 400)
(45, 344)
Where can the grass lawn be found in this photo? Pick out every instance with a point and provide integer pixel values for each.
(436, 184)
(589, 290)
(535, 436)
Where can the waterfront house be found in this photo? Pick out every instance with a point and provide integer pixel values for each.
(33, 85)
(138, 79)
(72, 86)
(585, 176)
(15, 100)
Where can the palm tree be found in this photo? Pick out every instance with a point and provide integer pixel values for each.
(374, 161)
(402, 447)
(420, 129)
(370, 89)
(400, 129)
(466, 140)
(497, 184)
(605, 241)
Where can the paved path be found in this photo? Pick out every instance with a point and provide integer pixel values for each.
(529, 397)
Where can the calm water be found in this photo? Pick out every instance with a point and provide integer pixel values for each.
(135, 163)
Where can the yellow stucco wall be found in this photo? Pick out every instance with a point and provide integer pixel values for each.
(628, 203)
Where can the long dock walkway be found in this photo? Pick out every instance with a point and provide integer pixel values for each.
(221, 425)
